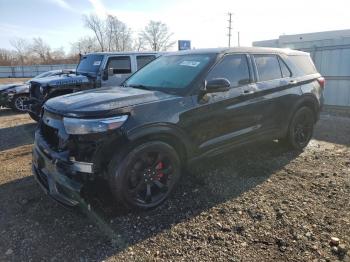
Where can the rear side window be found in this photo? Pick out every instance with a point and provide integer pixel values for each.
(119, 65)
(304, 63)
(268, 67)
(234, 68)
(143, 60)
(285, 70)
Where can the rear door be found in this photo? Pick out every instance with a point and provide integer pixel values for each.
(276, 90)
(118, 68)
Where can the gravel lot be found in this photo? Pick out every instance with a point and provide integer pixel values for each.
(260, 203)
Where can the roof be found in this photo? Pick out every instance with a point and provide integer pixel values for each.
(123, 53)
(223, 50)
(239, 50)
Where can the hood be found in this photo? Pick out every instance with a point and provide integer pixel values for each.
(59, 80)
(7, 86)
(24, 88)
(104, 101)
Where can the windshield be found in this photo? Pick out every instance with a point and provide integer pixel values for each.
(89, 64)
(170, 72)
(44, 74)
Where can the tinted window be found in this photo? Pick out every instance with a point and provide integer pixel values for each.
(268, 67)
(144, 60)
(304, 63)
(90, 63)
(119, 65)
(234, 68)
(284, 68)
(170, 72)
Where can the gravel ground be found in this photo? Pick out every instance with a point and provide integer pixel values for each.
(258, 203)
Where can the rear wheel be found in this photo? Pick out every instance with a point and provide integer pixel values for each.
(301, 128)
(146, 176)
(18, 103)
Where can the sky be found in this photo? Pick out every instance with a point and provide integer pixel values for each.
(59, 22)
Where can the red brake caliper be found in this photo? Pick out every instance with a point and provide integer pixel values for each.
(159, 167)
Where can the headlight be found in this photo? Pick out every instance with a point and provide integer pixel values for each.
(76, 126)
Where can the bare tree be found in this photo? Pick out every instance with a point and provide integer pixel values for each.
(156, 36)
(22, 47)
(139, 44)
(41, 49)
(85, 45)
(98, 26)
(7, 57)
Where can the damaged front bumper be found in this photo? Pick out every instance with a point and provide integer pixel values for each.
(57, 175)
(4, 99)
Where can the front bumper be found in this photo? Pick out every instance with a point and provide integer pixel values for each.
(54, 173)
(4, 101)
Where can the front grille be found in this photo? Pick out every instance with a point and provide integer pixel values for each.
(50, 135)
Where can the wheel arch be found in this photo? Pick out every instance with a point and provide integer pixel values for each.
(167, 133)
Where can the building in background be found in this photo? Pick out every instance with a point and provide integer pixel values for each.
(331, 54)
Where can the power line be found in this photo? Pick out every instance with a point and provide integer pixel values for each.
(229, 29)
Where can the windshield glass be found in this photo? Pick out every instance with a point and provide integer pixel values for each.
(89, 63)
(44, 74)
(170, 72)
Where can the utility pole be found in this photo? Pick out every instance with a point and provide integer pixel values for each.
(229, 29)
(238, 40)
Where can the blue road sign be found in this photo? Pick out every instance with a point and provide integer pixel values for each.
(184, 44)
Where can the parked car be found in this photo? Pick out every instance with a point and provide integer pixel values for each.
(14, 95)
(93, 71)
(181, 107)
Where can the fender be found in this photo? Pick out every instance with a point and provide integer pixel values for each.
(308, 99)
(162, 129)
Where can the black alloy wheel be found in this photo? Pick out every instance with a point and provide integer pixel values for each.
(301, 128)
(18, 103)
(147, 175)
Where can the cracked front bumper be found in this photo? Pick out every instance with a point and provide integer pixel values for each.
(54, 174)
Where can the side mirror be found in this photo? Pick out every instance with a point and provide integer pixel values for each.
(217, 85)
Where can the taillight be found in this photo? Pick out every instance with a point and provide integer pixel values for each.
(321, 81)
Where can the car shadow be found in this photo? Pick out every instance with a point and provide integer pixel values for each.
(8, 112)
(105, 229)
(11, 137)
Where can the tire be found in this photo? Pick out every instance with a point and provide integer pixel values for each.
(300, 129)
(34, 116)
(17, 103)
(145, 176)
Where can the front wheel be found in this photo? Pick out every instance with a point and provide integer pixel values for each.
(146, 176)
(301, 128)
(18, 103)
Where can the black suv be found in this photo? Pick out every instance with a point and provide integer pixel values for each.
(180, 107)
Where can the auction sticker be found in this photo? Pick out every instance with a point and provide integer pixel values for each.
(97, 63)
(190, 63)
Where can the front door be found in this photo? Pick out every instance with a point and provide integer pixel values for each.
(224, 118)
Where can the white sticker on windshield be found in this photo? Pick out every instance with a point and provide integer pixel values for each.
(97, 63)
(190, 63)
